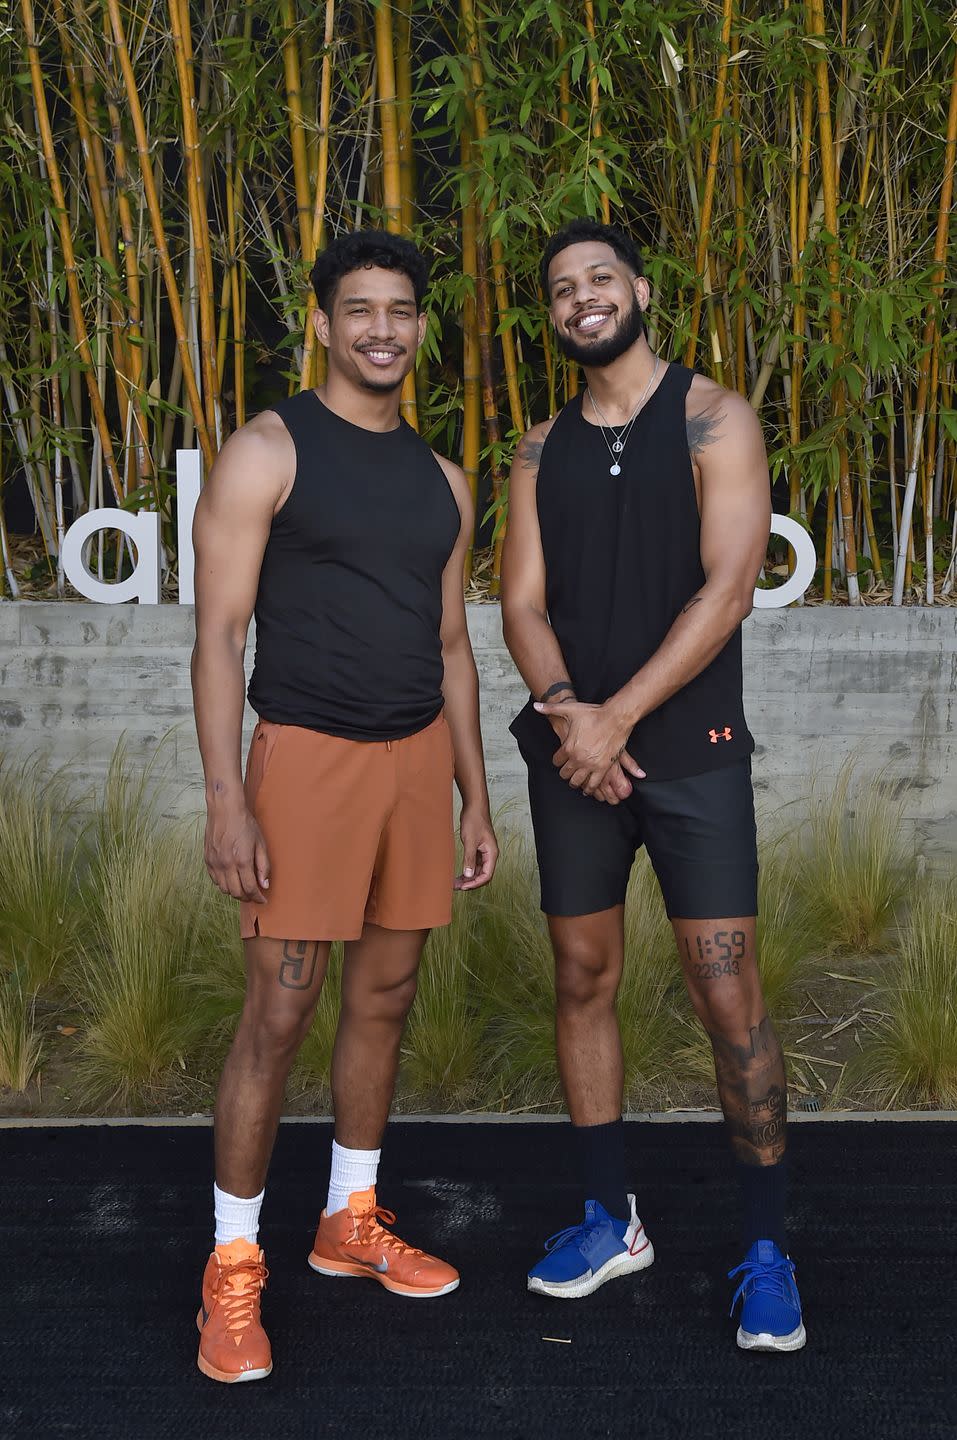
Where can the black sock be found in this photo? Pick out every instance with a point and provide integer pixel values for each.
(763, 1192)
(601, 1164)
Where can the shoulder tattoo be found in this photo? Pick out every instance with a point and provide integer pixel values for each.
(529, 452)
(703, 430)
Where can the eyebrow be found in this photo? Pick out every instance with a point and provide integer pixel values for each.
(364, 300)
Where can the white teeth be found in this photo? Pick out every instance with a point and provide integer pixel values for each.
(588, 322)
(381, 354)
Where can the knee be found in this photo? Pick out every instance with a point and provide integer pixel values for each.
(275, 1034)
(383, 1004)
(585, 974)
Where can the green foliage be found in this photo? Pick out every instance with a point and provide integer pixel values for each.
(441, 1053)
(40, 923)
(20, 1044)
(151, 913)
(541, 162)
(152, 968)
(910, 1057)
(858, 860)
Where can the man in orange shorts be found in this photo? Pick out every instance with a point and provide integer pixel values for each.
(336, 523)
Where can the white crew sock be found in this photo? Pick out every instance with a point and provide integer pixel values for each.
(352, 1170)
(236, 1218)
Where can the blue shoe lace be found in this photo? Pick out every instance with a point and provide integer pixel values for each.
(764, 1279)
(573, 1235)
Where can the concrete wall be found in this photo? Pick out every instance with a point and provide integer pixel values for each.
(820, 683)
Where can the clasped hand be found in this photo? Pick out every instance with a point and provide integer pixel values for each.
(592, 755)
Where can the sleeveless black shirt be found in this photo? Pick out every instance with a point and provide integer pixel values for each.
(622, 557)
(349, 607)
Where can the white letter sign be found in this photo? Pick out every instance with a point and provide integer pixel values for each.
(805, 565)
(144, 531)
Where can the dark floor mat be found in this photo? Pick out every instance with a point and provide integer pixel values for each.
(105, 1232)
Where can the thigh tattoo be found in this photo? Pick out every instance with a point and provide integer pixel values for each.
(297, 969)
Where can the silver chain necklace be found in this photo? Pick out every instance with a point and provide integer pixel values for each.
(616, 446)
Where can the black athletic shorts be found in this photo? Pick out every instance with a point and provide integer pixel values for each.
(699, 833)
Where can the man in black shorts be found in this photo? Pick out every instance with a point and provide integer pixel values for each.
(638, 523)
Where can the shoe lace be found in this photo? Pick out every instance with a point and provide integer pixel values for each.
(763, 1278)
(370, 1232)
(240, 1286)
(573, 1235)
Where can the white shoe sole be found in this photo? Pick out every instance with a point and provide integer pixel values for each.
(763, 1341)
(406, 1292)
(623, 1264)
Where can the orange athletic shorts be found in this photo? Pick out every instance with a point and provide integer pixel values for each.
(355, 830)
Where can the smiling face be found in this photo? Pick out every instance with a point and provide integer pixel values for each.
(374, 330)
(597, 303)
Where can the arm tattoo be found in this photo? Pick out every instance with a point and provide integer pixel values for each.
(530, 452)
(557, 689)
(297, 969)
(702, 430)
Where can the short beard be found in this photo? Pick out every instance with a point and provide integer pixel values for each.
(381, 387)
(603, 352)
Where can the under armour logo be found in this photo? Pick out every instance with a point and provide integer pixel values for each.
(717, 735)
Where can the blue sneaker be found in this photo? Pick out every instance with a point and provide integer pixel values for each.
(581, 1258)
(771, 1306)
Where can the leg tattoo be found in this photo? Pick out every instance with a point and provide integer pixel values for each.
(297, 968)
(753, 1094)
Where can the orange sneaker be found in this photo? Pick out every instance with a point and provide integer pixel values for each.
(352, 1243)
(233, 1344)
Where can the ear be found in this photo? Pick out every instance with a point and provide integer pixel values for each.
(642, 291)
(422, 325)
(320, 321)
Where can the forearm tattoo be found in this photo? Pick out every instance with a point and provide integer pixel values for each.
(557, 689)
(753, 1094)
(702, 430)
(297, 969)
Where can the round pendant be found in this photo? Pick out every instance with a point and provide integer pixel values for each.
(618, 447)
(615, 469)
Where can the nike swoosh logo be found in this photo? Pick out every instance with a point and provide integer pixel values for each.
(380, 1266)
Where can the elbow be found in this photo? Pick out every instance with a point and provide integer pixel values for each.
(745, 604)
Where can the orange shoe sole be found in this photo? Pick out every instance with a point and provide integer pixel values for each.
(351, 1270)
(223, 1376)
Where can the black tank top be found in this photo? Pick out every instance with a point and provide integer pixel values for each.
(622, 556)
(349, 607)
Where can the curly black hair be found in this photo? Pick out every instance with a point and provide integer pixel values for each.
(578, 230)
(361, 250)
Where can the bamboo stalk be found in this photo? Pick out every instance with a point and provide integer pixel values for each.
(702, 259)
(471, 363)
(930, 331)
(403, 80)
(594, 105)
(489, 404)
(480, 121)
(306, 374)
(66, 246)
(737, 165)
(158, 228)
(391, 173)
(92, 150)
(130, 250)
(815, 15)
(199, 215)
(297, 132)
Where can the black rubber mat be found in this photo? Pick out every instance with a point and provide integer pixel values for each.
(105, 1232)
